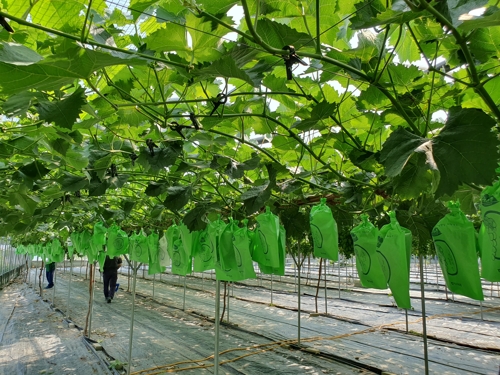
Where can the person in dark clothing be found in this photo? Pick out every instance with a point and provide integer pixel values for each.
(110, 275)
(50, 268)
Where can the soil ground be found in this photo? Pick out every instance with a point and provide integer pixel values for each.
(360, 332)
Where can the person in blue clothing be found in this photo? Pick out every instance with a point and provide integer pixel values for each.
(110, 276)
(50, 268)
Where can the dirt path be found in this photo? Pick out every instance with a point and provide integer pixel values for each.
(164, 334)
(34, 339)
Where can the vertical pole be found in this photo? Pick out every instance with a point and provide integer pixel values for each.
(437, 276)
(128, 274)
(92, 279)
(326, 292)
(295, 277)
(424, 324)
(29, 272)
(228, 286)
(184, 299)
(154, 278)
(69, 286)
(271, 289)
(217, 324)
(406, 317)
(298, 309)
(338, 264)
(54, 287)
(134, 283)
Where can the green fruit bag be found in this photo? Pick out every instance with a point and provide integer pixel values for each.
(489, 234)
(204, 256)
(266, 240)
(455, 241)
(181, 259)
(324, 232)
(138, 247)
(392, 251)
(280, 270)
(226, 267)
(117, 242)
(370, 272)
(154, 266)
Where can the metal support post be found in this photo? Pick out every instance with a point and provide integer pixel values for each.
(217, 326)
(134, 283)
(424, 323)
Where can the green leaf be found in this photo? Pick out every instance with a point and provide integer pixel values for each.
(59, 145)
(397, 150)
(226, 66)
(117, 182)
(163, 157)
(278, 35)
(137, 7)
(178, 197)
(17, 54)
(485, 43)
(219, 6)
(195, 219)
(57, 13)
(415, 178)
(170, 38)
(127, 205)
(481, 22)
(97, 188)
(101, 166)
(366, 13)
(76, 159)
(256, 197)
(156, 188)
(57, 70)
(466, 150)
(291, 185)
(18, 105)
(34, 170)
(71, 183)
(157, 211)
(320, 112)
(27, 204)
(63, 112)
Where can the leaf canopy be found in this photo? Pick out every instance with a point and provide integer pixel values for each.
(148, 111)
